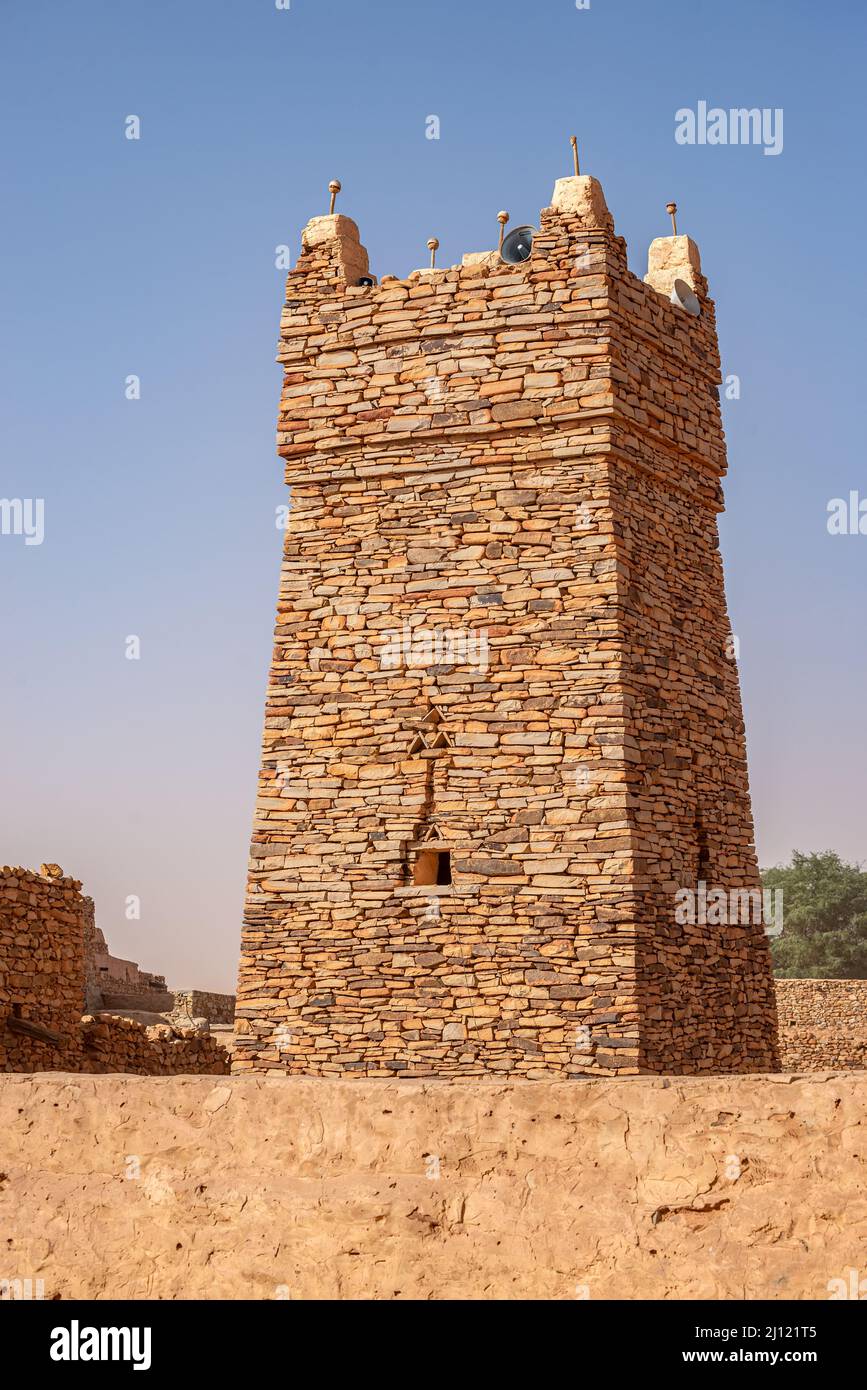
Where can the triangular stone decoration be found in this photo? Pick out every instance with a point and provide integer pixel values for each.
(429, 734)
(430, 832)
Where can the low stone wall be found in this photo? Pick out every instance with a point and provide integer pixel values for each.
(120, 984)
(197, 1003)
(42, 922)
(823, 1004)
(45, 924)
(122, 1045)
(823, 1024)
(819, 1049)
(146, 1001)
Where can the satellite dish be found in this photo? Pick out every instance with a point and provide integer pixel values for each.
(684, 298)
(518, 245)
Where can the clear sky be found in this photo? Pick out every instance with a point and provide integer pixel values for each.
(156, 257)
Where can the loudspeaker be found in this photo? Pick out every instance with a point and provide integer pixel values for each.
(684, 298)
(518, 245)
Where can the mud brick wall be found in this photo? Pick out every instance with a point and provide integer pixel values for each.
(823, 1024)
(197, 1003)
(122, 1045)
(627, 1187)
(529, 456)
(42, 925)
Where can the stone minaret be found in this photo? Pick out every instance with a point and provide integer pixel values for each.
(503, 729)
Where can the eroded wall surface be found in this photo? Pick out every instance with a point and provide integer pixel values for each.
(710, 1188)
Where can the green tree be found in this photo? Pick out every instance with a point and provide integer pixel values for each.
(825, 918)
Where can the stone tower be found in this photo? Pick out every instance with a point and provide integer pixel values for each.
(503, 728)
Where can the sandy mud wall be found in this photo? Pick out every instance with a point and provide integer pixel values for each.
(263, 1188)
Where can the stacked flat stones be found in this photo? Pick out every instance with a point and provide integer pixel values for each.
(823, 1024)
(529, 456)
(123, 1045)
(46, 929)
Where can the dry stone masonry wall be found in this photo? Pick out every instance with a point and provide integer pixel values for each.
(42, 926)
(122, 1045)
(45, 928)
(823, 1024)
(502, 727)
(197, 1003)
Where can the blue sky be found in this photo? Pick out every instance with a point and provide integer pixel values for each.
(156, 258)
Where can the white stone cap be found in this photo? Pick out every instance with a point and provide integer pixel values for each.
(582, 196)
(335, 227)
(673, 258)
(343, 232)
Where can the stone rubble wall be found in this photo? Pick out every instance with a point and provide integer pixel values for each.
(529, 454)
(729, 1188)
(155, 1002)
(197, 1003)
(122, 1045)
(42, 925)
(142, 985)
(823, 1024)
(45, 924)
(94, 945)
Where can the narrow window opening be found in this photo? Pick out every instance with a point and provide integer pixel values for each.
(433, 866)
(703, 852)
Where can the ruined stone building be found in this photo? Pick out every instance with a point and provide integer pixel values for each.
(503, 725)
(55, 967)
(106, 974)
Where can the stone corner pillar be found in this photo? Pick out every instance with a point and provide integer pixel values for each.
(673, 258)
